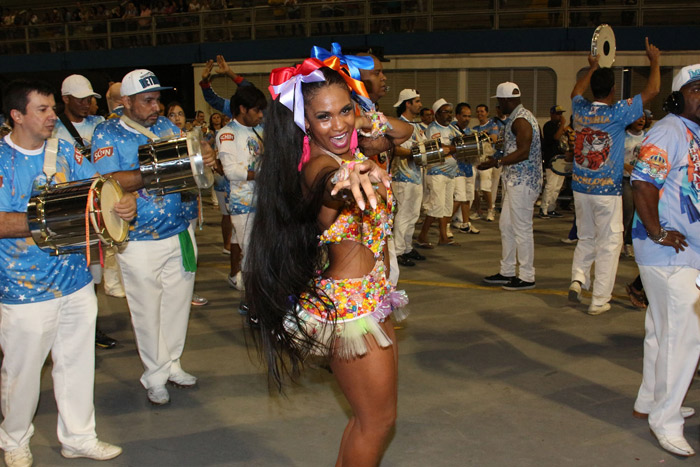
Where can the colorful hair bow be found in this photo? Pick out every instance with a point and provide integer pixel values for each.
(349, 67)
(286, 82)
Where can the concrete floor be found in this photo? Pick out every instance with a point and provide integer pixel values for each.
(487, 377)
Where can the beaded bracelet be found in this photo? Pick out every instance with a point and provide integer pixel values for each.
(658, 238)
(380, 125)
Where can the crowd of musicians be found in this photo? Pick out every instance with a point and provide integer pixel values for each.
(343, 187)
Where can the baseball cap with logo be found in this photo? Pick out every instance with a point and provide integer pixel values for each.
(406, 95)
(77, 86)
(138, 81)
(507, 90)
(439, 103)
(557, 109)
(688, 74)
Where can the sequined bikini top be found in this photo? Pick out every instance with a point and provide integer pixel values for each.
(369, 227)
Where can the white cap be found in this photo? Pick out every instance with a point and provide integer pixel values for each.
(77, 86)
(439, 103)
(688, 74)
(406, 95)
(507, 90)
(138, 81)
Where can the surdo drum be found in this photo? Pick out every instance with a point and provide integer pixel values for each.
(174, 165)
(65, 218)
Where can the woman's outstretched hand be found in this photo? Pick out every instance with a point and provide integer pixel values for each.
(358, 177)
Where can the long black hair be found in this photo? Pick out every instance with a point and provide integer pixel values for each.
(284, 255)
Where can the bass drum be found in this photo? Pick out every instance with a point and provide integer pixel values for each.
(58, 216)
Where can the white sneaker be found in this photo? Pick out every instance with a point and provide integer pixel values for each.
(19, 457)
(675, 445)
(236, 281)
(158, 395)
(474, 216)
(99, 451)
(575, 292)
(569, 241)
(491, 215)
(449, 232)
(198, 300)
(182, 379)
(595, 310)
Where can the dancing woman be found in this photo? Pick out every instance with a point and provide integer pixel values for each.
(318, 263)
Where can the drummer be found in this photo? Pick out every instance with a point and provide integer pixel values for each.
(599, 154)
(47, 303)
(552, 132)
(158, 262)
(76, 126)
(440, 179)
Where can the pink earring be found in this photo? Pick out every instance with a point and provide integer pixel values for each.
(305, 153)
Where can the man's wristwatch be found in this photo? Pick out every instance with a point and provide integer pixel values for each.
(658, 238)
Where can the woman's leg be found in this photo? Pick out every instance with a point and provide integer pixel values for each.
(370, 385)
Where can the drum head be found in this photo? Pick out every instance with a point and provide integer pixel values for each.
(603, 45)
(561, 167)
(116, 228)
(203, 175)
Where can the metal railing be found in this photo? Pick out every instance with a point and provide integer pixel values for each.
(339, 18)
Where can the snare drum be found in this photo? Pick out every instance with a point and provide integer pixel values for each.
(56, 216)
(470, 148)
(173, 165)
(427, 152)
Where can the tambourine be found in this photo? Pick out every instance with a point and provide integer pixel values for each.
(603, 45)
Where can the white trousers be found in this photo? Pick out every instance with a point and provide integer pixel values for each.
(551, 190)
(66, 327)
(408, 200)
(599, 225)
(441, 194)
(517, 240)
(159, 294)
(242, 226)
(495, 180)
(671, 345)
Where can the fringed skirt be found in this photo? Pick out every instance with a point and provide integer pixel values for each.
(346, 313)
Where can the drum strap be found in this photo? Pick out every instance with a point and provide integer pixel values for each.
(50, 155)
(72, 130)
(138, 127)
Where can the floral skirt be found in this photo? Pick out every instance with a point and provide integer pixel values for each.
(347, 313)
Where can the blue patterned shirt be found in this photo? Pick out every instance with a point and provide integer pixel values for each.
(114, 148)
(445, 135)
(29, 274)
(599, 150)
(528, 171)
(403, 170)
(670, 160)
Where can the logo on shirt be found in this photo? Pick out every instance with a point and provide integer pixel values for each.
(78, 157)
(226, 137)
(435, 136)
(592, 148)
(102, 152)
